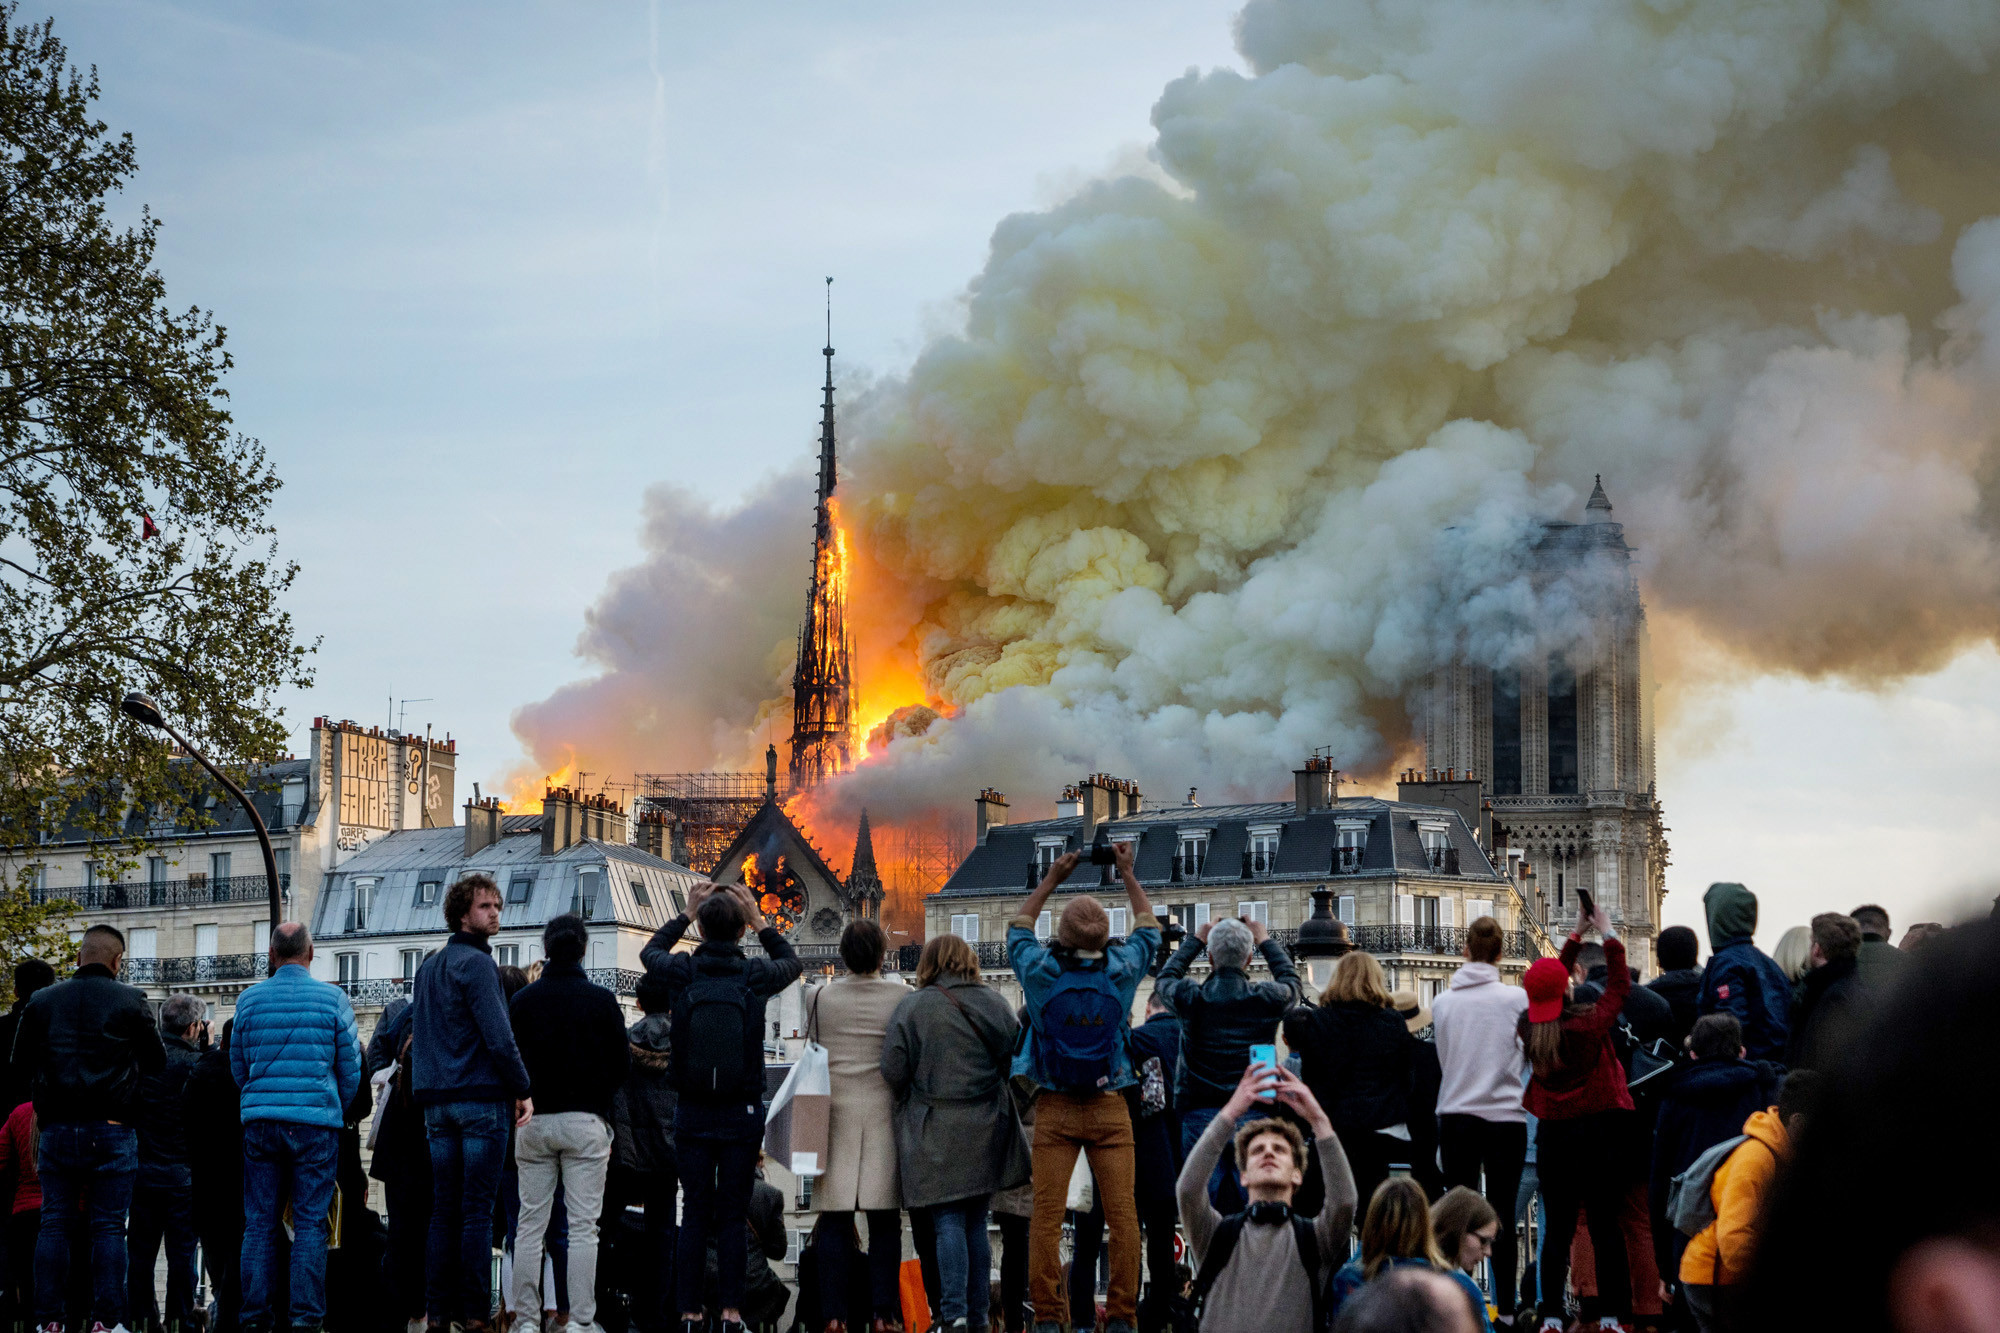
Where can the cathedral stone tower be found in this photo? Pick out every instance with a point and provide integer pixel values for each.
(1562, 740)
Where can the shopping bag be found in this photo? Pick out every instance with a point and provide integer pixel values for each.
(795, 1128)
(1082, 1188)
(916, 1303)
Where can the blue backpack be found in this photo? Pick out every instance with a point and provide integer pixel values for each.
(1082, 1024)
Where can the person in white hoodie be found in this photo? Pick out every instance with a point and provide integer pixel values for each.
(1481, 1122)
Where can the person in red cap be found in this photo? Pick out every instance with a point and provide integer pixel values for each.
(1577, 1092)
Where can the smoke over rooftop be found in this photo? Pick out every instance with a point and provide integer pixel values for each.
(1221, 463)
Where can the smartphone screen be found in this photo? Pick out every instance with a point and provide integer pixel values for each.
(1267, 1056)
(1585, 906)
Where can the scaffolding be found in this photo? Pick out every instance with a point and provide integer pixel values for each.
(712, 808)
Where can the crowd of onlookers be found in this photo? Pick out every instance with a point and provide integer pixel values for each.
(1736, 1143)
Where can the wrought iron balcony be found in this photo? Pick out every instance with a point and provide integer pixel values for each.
(191, 892)
(206, 968)
(1347, 860)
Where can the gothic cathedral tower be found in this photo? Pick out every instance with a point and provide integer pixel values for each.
(1562, 741)
(823, 700)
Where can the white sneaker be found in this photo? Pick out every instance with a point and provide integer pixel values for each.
(527, 1323)
(417, 1326)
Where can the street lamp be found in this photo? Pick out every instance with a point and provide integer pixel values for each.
(1321, 941)
(143, 710)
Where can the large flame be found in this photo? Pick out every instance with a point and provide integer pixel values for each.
(888, 678)
(525, 789)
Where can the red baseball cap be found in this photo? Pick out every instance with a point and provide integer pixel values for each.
(1547, 984)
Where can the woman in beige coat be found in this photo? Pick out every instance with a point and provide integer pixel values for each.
(849, 1016)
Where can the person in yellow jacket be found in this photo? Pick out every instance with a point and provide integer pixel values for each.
(1719, 1257)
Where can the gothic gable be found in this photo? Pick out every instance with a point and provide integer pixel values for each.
(796, 886)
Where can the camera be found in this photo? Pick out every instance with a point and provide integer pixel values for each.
(1099, 854)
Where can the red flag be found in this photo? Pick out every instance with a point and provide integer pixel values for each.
(152, 529)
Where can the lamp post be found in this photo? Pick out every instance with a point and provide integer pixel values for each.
(143, 710)
(1321, 941)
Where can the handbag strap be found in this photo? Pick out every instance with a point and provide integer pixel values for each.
(979, 1036)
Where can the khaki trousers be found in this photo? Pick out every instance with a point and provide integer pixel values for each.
(575, 1148)
(1098, 1126)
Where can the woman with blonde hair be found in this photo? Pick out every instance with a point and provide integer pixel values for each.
(1794, 958)
(1355, 1053)
(958, 1139)
(1398, 1232)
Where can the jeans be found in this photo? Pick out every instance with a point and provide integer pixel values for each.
(284, 1161)
(162, 1211)
(1099, 1126)
(102, 1159)
(716, 1176)
(885, 1258)
(1225, 1188)
(468, 1147)
(573, 1148)
(1577, 1162)
(1471, 1146)
(965, 1262)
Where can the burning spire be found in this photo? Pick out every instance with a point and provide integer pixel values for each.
(822, 687)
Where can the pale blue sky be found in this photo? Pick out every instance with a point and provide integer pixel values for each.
(490, 270)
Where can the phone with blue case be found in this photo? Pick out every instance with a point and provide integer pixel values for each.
(1266, 1056)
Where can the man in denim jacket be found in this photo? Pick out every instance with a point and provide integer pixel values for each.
(1092, 1120)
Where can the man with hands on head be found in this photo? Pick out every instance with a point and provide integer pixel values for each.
(1262, 1269)
(1079, 1001)
(715, 999)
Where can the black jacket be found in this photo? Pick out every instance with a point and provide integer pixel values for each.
(1701, 1104)
(400, 1146)
(572, 1038)
(1649, 1014)
(1156, 1139)
(642, 1114)
(764, 976)
(1222, 1018)
(1357, 1058)
(212, 1102)
(163, 1152)
(83, 1045)
(13, 1085)
(1832, 1005)
(1681, 989)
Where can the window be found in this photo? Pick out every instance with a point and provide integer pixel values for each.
(156, 870)
(1190, 917)
(1476, 908)
(584, 902)
(639, 894)
(506, 955)
(679, 900)
(1506, 774)
(361, 904)
(1437, 847)
(412, 959)
(1260, 912)
(1406, 910)
(1345, 904)
(1559, 888)
(39, 874)
(428, 891)
(206, 938)
(1350, 847)
(1192, 858)
(1263, 850)
(1120, 916)
(1046, 853)
(283, 856)
(144, 942)
(965, 925)
(350, 967)
(1562, 728)
(92, 872)
(218, 866)
(805, 1193)
(1045, 924)
(260, 935)
(519, 888)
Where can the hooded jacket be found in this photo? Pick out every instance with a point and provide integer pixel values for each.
(1721, 1254)
(642, 1112)
(1740, 979)
(1701, 1104)
(1477, 1022)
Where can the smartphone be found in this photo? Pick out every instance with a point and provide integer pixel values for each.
(1586, 908)
(1267, 1056)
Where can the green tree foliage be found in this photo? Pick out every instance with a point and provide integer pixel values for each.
(112, 408)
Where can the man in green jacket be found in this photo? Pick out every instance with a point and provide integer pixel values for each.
(1881, 962)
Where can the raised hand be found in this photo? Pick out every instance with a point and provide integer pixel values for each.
(1201, 931)
(1122, 854)
(1293, 1092)
(1064, 865)
(1245, 1097)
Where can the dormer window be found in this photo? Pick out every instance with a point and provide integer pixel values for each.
(1046, 852)
(1438, 850)
(1264, 848)
(1191, 859)
(1350, 846)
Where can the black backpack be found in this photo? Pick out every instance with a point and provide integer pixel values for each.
(718, 1047)
(1185, 1312)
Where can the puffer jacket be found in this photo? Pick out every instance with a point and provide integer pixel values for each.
(1702, 1104)
(1740, 978)
(642, 1110)
(1721, 1254)
(1222, 1018)
(82, 1046)
(295, 1054)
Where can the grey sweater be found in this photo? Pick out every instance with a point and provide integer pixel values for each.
(1263, 1289)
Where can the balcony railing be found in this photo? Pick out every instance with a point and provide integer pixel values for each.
(826, 958)
(192, 892)
(186, 971)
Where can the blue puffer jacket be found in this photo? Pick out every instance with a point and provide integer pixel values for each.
(294, 1051)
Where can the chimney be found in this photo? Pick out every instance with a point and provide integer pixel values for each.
(989, 811)
(602, 819)
(1316, 786)
(482, 824)
(1103, 797)
(656, 833)
(562, 820)
(1135, 803)
(1070, 804)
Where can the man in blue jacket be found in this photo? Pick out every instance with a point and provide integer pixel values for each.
(296, 1057)
(1740, 979)
(466, 1072)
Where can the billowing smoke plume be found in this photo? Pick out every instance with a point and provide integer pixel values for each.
(1214, 473)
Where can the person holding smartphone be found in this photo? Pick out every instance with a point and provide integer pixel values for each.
(1577, 1093)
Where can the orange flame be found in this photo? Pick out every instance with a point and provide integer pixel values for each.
(886, 673)
(525, 789)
